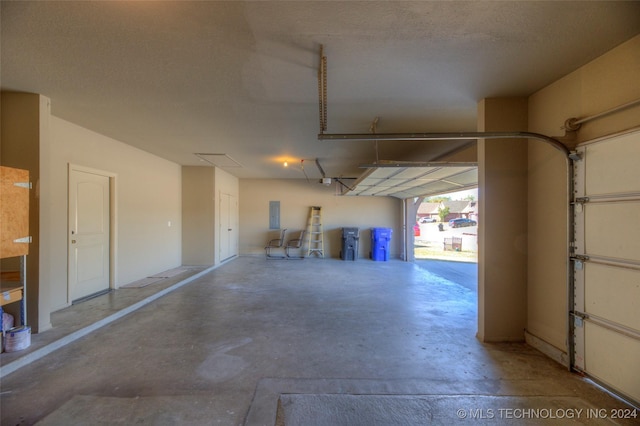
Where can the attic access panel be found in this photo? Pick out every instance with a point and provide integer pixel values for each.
(218, 160)
(408, 182)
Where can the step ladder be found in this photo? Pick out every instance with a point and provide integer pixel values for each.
(314, 232)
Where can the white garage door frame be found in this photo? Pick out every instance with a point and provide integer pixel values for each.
(605, 283)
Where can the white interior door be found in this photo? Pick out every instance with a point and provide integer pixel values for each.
(228, 226)
(607, 266)
(89, 234)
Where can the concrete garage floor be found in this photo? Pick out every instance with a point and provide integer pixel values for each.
(311, 342)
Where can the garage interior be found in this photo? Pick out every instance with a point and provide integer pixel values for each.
(188, 133)
(233, 344)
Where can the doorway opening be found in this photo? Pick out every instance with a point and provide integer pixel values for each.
(446, 227)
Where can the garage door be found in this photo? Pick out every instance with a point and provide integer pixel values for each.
(606, 316)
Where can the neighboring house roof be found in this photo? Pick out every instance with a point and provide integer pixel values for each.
(428, 208)
(471, 207)
(456, 206)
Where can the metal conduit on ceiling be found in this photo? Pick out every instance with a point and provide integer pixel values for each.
(412, 180)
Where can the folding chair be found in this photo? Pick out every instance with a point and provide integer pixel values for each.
(275, 243)
(295, 243)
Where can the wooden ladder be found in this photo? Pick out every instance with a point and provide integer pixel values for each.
(314, 232)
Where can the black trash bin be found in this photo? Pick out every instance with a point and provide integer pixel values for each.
(350, 239)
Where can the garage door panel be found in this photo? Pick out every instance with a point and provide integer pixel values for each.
(606, 260)
(618, 368)
(612, 166)
(613, 293)
(613, 229)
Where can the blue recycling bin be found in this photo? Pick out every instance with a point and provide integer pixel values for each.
(380, 238)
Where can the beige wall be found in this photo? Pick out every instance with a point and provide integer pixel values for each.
(502, 230)
(198, 197)
(202, 188)
(611, 80)
(296, 197)
(148, 197)
(147, 189)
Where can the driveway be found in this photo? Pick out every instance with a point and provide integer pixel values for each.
(430, 243)
(461, 273)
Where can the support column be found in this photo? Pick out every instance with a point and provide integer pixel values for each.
(502, 230)
(198, 215)
(25, 145)
(411, 206)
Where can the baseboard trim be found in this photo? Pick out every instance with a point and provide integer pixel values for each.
(546, 348)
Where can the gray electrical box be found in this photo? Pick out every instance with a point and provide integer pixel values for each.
(274, 214)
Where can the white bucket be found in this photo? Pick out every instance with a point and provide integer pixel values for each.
(17, 339)
(7, 321)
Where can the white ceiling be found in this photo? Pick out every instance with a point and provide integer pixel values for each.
(239, 79)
